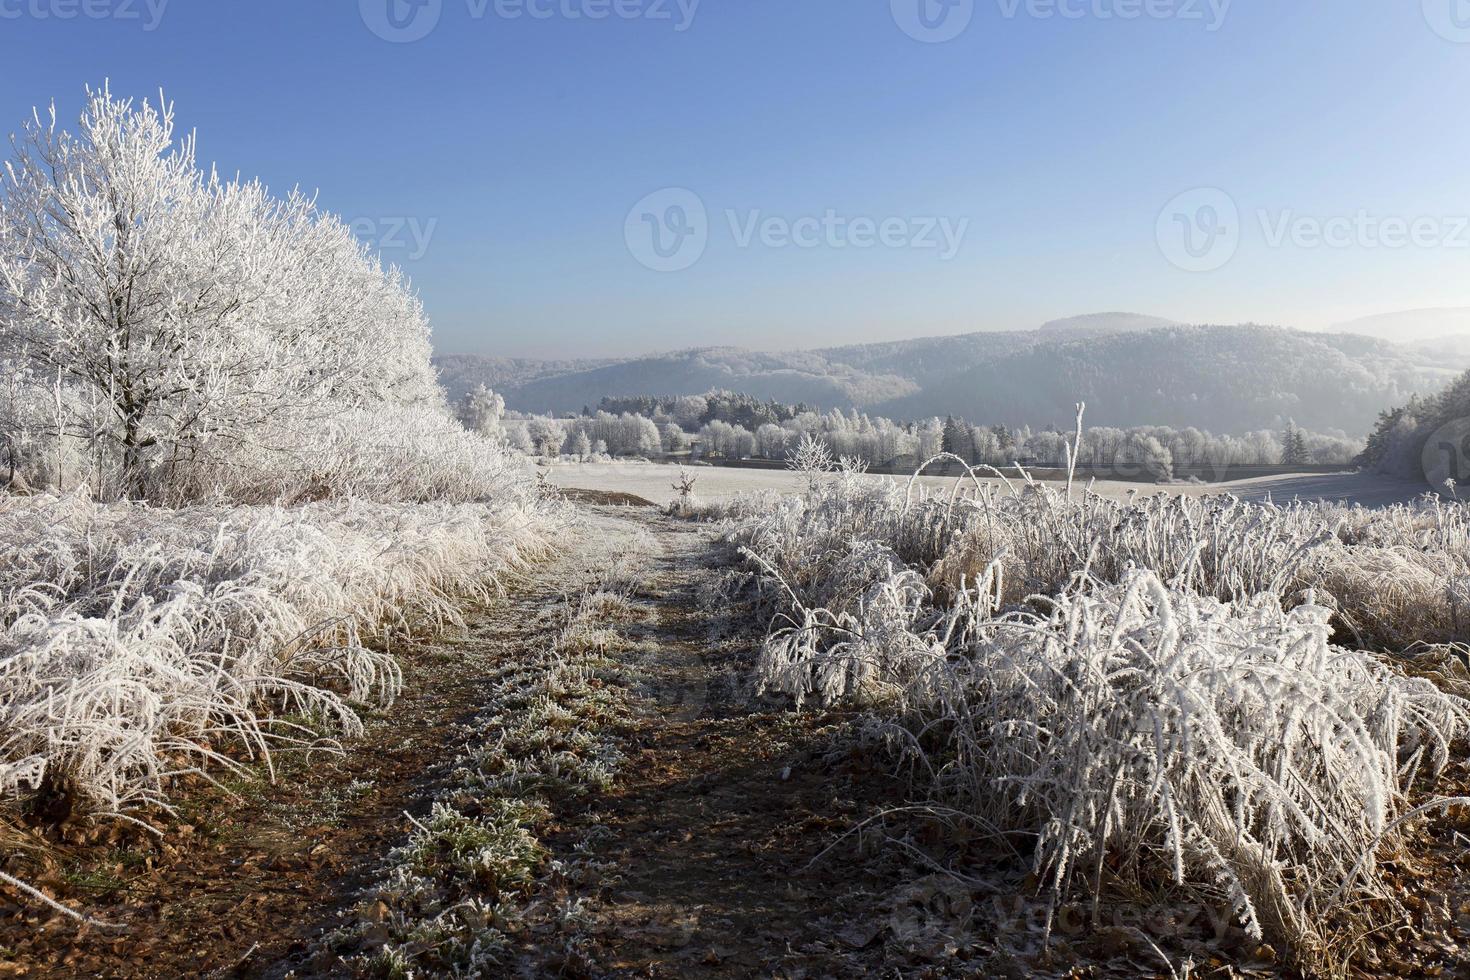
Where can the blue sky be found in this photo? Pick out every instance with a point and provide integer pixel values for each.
(499, 158)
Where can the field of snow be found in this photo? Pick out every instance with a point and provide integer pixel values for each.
(655, 482)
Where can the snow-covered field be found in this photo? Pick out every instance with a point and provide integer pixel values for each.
(655, 482)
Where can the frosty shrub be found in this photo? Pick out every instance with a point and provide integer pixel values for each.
(1393, 577)
(1182, 691)
(135, 637)
(159, 323)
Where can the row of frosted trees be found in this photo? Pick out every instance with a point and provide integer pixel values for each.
(1151, 450)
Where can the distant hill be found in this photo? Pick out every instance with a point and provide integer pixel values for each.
(459, 373)
(793, 377)
(1413, 326)
(1227, 379)
(1131, 369)
(1099, 324)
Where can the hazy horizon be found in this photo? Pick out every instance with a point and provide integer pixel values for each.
(1357, 325)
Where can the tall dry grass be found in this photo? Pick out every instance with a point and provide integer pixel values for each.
(140, 643)
(1193, 693)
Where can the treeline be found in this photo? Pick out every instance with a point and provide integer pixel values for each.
(1428, 438)
(700, 426)
(694, 411)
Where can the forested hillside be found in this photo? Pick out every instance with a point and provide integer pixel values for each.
(1233, 379)
(1132, 370)
(786, 377)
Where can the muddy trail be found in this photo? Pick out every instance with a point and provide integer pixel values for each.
(721, 848)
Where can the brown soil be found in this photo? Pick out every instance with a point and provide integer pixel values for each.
(605, 498)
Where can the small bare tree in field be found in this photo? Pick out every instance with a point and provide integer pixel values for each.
(811, 460)
(685, 503)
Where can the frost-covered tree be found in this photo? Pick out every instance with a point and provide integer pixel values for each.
(577, 445)
(987, 447)
(546, 436)
(931, 438)
(481, 411)
(675, 439)
(518, 438)
(1294, 446)
(22, 422)
(214, 325)
(1424, 439)
(951, 439)
(730, 441)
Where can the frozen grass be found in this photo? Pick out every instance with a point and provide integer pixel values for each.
(139, 643)
(1394, 576)
(453, 899)
(1144, 690)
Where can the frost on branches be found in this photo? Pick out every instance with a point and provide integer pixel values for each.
(170, 334)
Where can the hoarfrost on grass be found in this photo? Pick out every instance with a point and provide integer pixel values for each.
(1184, 691)
(135, 637)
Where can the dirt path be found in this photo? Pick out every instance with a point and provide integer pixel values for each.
(709, 838)
(697, 862)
